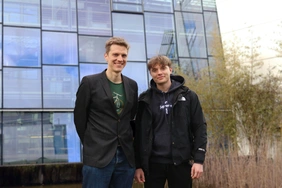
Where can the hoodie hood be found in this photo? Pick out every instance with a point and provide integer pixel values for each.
(176, 82)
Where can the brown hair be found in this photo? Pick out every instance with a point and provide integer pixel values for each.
(159, 59)
(116, 40)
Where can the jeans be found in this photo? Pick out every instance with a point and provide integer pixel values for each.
(176, 176)
(117, 174)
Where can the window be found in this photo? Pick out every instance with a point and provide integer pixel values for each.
(141, 78)
(59, 86)
(59, 15)
(35, 137)
(60, 140)
(158, 5)
(212, 30)
(21, 88)
(190, 35)
(22, 140)
(131, 27)
(22, 12)
(92, 49)
(160, 35)
(188, 5)
(94, 17)
(21, 47)
(59, 48)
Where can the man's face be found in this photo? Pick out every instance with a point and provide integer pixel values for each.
(161, 74)
(116, 58)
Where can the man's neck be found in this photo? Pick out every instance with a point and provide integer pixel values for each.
(114, 77)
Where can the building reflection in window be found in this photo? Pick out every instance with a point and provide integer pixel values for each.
(35, 137)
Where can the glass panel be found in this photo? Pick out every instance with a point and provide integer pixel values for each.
(188, 5)
(60, 140)
(212, 30)
(21, 88)
(0, 94)
(0, 44)
(59, 15)
(158, 5)
(0, 14)
(130, 71)
(59, 86)
(59, 48)
(88, 69)
(141, 78)
(190, 35)
(192, 67)
(22, 47)
(212, 61)
(1, 139)
(209, 5)
(92, 49)
(127, 7)
(160, 35)
(22, 140)
(128, 1)
(22, 12)
(131, 27)
(94, 17)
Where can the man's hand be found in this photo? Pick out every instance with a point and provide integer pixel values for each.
(139, 175)
(197, 170)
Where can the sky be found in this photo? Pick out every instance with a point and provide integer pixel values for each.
(237, 17)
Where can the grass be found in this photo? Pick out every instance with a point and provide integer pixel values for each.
(233, 171)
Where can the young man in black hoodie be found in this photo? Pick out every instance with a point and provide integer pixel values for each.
(171, 138)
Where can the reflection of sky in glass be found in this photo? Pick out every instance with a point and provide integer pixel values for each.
(128, 1)
(0, 90)
(59, 15)
(158, 28)
(191, 33)
(157, 5)
(73, 142)
(21, 47)
(141, 78)
(18, 12)
(59, 48)
(0, 11)
(132, 29)
(211, 26)
(130, 71)
(94, 17)
(193, 66)
(188, 5)
(22, 88)
(0, 44)
(88, 69)
(92, 49)
(59, 86)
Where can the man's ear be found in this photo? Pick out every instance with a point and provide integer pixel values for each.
(170, 70)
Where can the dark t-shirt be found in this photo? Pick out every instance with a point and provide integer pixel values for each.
(118, 96)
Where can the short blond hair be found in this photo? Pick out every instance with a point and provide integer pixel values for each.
(116, 40)
(159, 59)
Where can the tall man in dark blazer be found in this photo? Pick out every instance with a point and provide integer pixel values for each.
(105, 105)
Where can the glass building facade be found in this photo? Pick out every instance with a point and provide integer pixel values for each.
(47, 46)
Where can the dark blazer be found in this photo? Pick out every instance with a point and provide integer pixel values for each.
(98, 125)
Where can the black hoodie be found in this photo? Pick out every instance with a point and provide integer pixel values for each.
(161, 105)
(187, 127)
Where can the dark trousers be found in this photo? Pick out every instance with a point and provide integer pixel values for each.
(177, 176)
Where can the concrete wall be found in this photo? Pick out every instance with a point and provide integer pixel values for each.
(38, 174)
